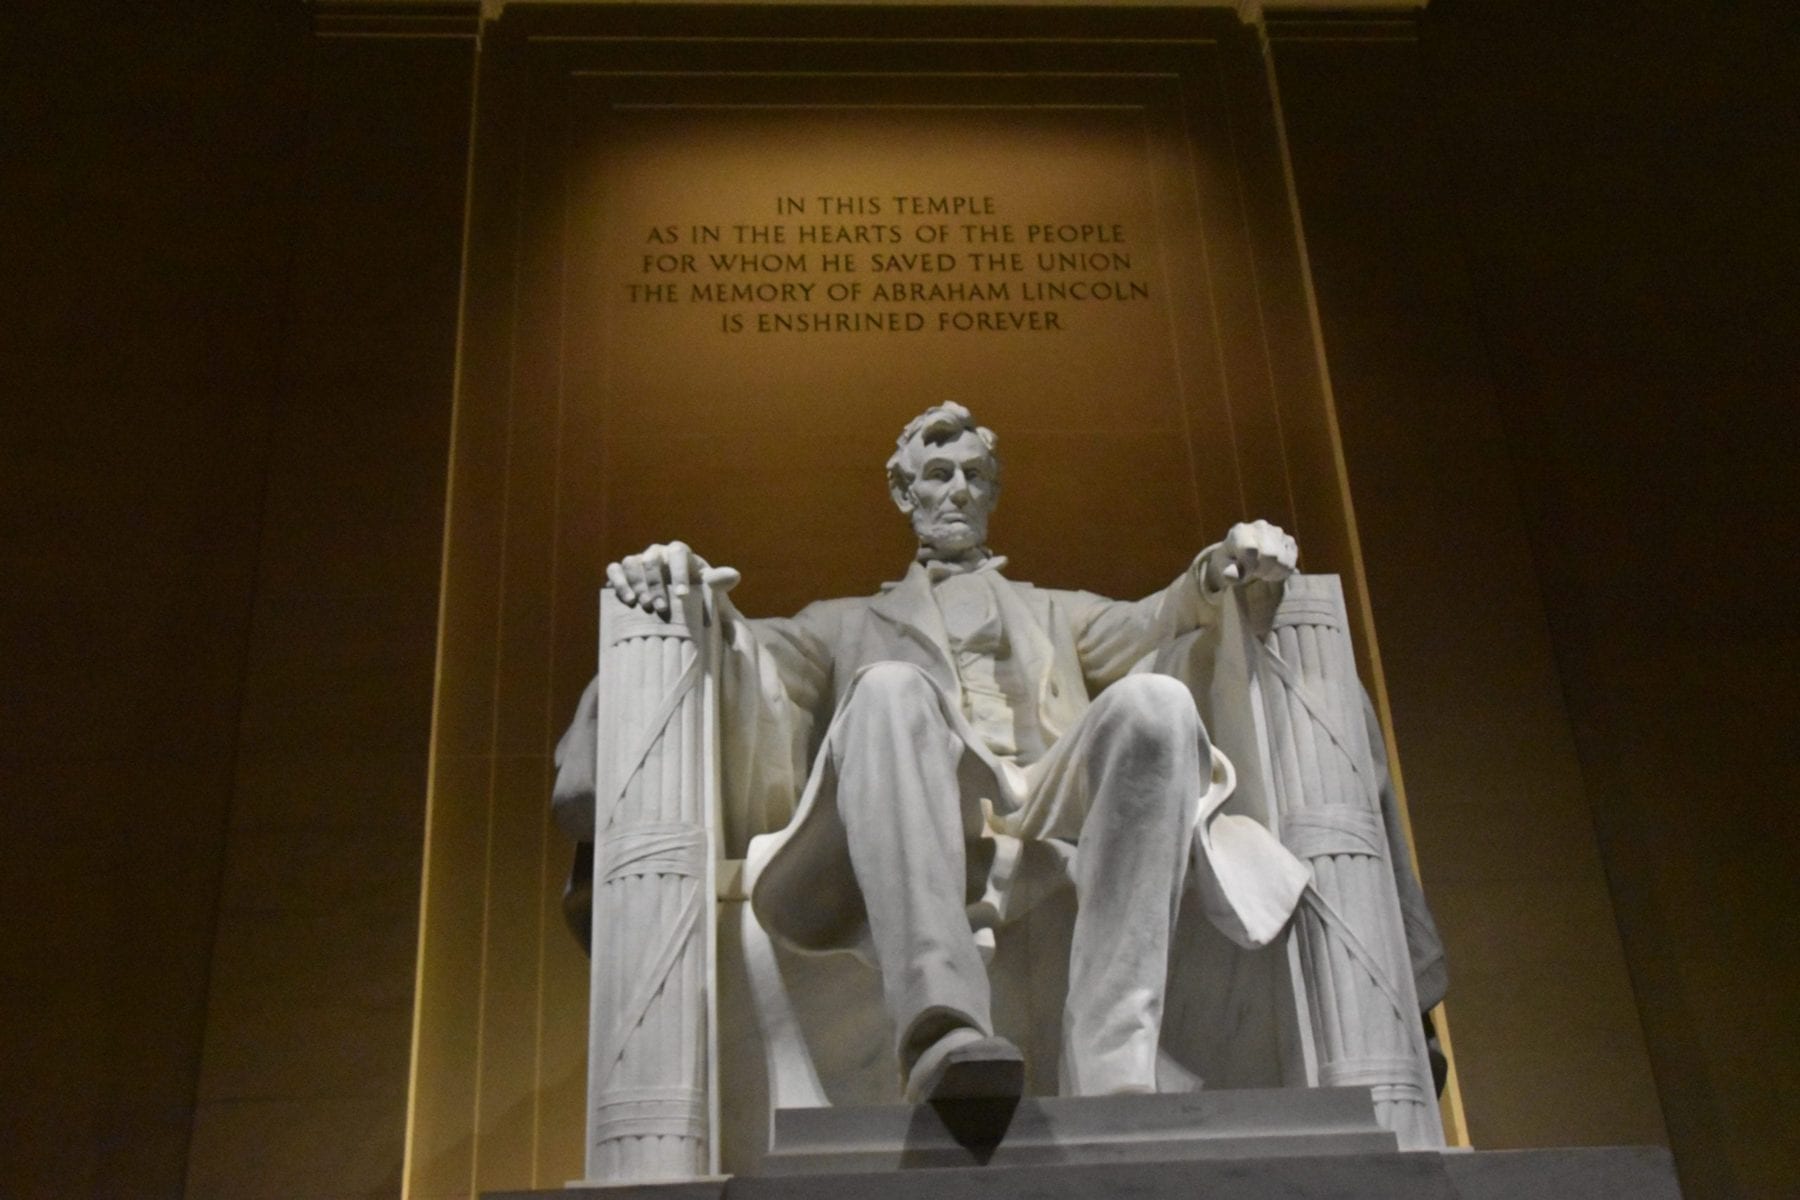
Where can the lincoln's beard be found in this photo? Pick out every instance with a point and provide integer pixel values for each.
(948, 539)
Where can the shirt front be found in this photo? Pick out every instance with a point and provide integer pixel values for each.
(997, 700)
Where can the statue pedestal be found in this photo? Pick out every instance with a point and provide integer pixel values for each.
(1224, 1145)
(1600, 1173)
(1048, 1131)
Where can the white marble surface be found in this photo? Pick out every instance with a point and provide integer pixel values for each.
(1575, 1173)
(962, 756)
(1075, 1130)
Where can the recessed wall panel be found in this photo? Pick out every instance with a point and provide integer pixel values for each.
(709, 279)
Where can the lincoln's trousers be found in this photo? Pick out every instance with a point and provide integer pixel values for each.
(1122, 784)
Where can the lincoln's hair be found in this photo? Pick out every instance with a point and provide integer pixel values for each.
(936, 425)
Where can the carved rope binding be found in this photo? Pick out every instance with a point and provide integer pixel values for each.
(1338, 829)
(649, 1107)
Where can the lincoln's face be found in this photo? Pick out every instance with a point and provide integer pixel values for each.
(954, 488)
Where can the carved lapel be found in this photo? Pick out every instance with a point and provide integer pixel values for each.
(1028, 614)
(909, 605)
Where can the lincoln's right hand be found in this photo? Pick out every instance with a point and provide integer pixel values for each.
(660, 577)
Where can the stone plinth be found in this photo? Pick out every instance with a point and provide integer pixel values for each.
(1608, 1173)
(1312, 1144)
(1046, 1131)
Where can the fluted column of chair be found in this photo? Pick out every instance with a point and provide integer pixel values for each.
(1359, 982)
(652, 1046)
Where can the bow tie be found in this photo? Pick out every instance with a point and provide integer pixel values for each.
(938, 570)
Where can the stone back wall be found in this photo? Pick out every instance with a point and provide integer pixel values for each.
(1550, 243)
(215, 582)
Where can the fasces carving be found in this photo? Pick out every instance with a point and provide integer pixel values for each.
(912, 775)
(1369, 956)
(651, 1075)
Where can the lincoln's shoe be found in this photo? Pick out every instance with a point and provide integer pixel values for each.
(964, 1065)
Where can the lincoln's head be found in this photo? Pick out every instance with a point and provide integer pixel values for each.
(946, 478)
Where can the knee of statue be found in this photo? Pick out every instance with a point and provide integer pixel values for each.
(1151, 706)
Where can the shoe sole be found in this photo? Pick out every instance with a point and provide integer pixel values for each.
(990, 1069)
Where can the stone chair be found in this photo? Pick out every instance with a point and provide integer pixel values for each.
(702, 1026)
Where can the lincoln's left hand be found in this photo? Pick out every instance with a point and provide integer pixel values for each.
(1251, 551)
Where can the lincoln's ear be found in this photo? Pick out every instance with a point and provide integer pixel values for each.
(902, 494)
